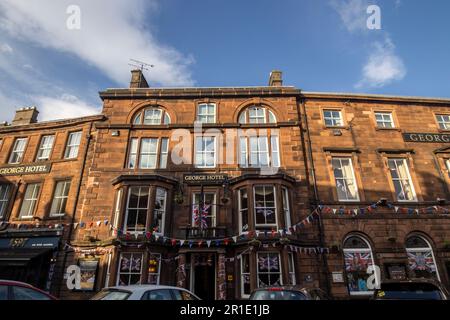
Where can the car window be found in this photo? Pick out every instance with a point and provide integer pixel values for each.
(158, 295)
(187, 296)
(21, 293)
(3, 292)
(177, 294)
(278, 295)
(409, 291)
(107, 294)
(315, 295)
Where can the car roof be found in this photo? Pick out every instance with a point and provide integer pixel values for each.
(142, 287)
(12, 282)
(296, 288)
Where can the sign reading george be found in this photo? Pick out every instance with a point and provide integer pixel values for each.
(21, 170)
(427, 137)
(204, 178)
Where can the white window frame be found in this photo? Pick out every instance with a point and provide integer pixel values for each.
(213, 214)
(4, 201)
(19, 152)
(154, 118)
(428, 249)
(133, 156)
(271, 156)
(62, 197)
(291, 268)
(243, 211)
(268, 272)
(203, 152)
(73, 145)
(139, 209)
(205, 117)
(444, 124)
(34, 200)
(382, 123)
(164, 153)
(117, 210)
(148, 154)
(286, 208)
(129, 273)
(163, 211)
(157, 274)
(245, 118)
(265, 225)
(335, 121)
(408, 178)
(243, 274)
(344, 178)
(45, 148)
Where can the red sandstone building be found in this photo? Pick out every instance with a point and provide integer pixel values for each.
(235, 204)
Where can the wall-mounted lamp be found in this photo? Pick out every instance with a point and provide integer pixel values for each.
(115, 133)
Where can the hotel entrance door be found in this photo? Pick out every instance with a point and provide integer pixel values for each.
(203, 275)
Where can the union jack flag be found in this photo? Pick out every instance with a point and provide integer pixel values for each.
(268, 263)
(421, 261)
(355, 261)
(201, 216)
(130, 264)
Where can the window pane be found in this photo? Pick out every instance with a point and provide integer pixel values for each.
(60, 198)
(73, 145)
(152, 116)
(148, 153)
(45, 147)
(137, 207)
(130, 268)
(29, 200)
(133, 153)
(269, 270)
(4, 199)
(345, 179)
(18, 150)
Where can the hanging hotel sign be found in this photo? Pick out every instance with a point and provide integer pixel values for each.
(204, 178)
(427, 137)
(22, 170)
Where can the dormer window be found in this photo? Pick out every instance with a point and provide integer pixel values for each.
(152, 116)
(257, 114)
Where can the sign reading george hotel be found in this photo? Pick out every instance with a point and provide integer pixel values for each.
(204, 178)
(22, 170)
(427, 137)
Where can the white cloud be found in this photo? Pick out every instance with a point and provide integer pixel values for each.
(383, 66)
(6, 48)
(352, 13)
(63, 107)
(112, 31)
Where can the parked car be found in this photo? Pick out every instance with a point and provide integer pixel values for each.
(288, 293)
(411, 290)
(14, 290)
(144, 292)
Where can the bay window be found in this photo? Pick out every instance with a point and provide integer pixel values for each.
(286, 210)
(404, 189)
(344, 176)
(243, 210)
(269, 269)
(159, 210)
(265, 207)
(137, 209)
(130, 269)
(245, 276)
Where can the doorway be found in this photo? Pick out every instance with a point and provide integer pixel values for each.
(203, 275)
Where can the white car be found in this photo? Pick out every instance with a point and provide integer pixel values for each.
(144, 292)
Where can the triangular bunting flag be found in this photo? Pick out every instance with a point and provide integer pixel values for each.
(208, 243)
(234, 239)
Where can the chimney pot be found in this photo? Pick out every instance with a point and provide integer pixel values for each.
(138, 80)
(25, 115)
(276, 78)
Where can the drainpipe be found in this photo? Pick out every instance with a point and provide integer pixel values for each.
(69, 236)
(302, 115)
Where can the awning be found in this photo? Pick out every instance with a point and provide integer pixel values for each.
(19, 257)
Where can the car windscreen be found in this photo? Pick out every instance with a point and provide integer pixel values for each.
(111, 294)
(277, 295)
(409, 291)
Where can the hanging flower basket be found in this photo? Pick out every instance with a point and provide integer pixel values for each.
(179, 198)
(255, 243)
(285, 241)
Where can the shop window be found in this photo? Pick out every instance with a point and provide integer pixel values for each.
(130, 269)
(255, 114)
(384, 120)
(18, 151)
(333, 118)
(291, 262)
(5, 190)
(159, 211)
(344, 176)
(204, 214)
(206, 113)
(45, 148)
(60, 197)
(73, 145)
(30, 200)
(152, 116)
(286, 210)
(269, 269)
(256, 152)
(443, 121)
(358, 257)
(265, 207)
(243, 210)
(144, 153)
(137, 208)
(205, 152)
(421, 260)
(154, 268)
(245, 276)
(401, 178)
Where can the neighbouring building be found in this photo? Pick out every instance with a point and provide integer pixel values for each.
(224, 190)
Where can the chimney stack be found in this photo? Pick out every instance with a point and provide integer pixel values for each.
(25, 115)
(276, 78)
(138, 79)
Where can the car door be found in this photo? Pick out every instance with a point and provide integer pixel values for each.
(5, 292)
(158, 294)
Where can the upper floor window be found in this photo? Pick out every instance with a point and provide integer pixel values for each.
(344, 176)
(204, 210)
(148, 153)
(159, 211)
(257, 114)
(243, 203)
(137, 209)
(206, 113)
(30, 200)
(421, 260)
(265, 207)
(18, 151)
(286, 209)
(384, 120)
(205, 152)
(404, 189)
(73, 145)
(443, 121)
(60, 198)
(333, 118)
(152, 116)
(259, 151)
(45, 148)
(4, 199)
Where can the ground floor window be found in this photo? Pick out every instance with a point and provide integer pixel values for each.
(269, 269)
(245, 275)
(421, 261)
(291, 262)
(130, 269)
(154, 268)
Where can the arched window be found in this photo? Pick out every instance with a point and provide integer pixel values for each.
(257, 114)
(421, 261)
(152, 116)
(358, 258)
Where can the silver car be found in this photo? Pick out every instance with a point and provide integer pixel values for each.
(144, 292)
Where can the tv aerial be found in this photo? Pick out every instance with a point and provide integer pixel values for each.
(140, 65)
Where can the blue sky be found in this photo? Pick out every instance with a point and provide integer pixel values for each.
(320, 45)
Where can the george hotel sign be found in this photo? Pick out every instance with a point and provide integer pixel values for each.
(22, 170)
(204, 178)
(427, 137)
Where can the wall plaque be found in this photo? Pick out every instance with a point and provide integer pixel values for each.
(427, 137)
(205, 178)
